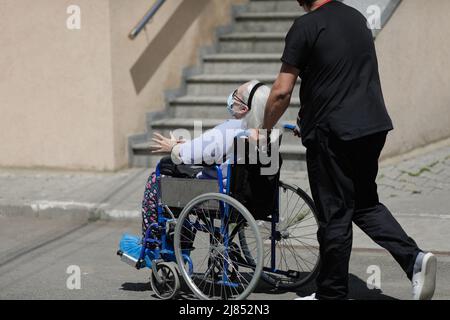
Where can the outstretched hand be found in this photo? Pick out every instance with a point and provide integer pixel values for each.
(163, 144)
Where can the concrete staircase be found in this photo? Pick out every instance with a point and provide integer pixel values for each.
(252, 50)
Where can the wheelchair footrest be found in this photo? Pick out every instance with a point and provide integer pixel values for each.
(129, 260)
(130, 248)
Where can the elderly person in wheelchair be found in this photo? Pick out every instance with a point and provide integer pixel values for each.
(246, 107)
(233, 225)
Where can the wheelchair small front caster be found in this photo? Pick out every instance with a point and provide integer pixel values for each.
(166, 283)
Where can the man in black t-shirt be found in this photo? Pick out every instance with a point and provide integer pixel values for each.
(343, 124)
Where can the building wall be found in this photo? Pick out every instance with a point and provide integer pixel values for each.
(413, 52)
(70, 98)
(142, 69)
(67, 97)
(55, 86)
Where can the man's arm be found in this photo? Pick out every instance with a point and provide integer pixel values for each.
(280, 95)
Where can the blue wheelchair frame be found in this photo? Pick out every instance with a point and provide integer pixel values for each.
(164, 251)
(155, 244)
(158, 249)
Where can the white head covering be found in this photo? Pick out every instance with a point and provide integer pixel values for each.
(255, 117)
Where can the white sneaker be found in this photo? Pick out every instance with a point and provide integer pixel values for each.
(424, 277)
(311, 297)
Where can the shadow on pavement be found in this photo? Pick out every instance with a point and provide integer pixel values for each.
(138, 287)
(358, 290)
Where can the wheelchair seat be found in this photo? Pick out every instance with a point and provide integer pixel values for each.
(169, 168)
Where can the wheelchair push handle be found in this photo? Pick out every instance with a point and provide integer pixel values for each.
(288, 126)
(292, 127)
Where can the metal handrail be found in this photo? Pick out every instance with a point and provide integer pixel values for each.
(146, 19)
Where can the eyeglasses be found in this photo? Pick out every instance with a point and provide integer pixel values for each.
(235, 96)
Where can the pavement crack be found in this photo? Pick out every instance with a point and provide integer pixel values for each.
(23, 252)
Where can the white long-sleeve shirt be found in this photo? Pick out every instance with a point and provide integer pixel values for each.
(213, 146)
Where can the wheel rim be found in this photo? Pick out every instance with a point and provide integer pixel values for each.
(220, 270)
(171, 283)
(296, 245)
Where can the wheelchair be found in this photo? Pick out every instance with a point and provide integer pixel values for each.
(222, 236)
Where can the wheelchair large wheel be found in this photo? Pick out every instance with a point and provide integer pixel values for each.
(169, 285)
(208, 228)
(296, 246)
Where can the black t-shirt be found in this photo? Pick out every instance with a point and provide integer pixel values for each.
(334, 50)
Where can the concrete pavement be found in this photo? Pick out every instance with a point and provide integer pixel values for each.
(38, 270)
(50, 220)
(414, 186)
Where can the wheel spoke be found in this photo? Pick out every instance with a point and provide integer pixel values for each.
(217, 255)
(297, 223)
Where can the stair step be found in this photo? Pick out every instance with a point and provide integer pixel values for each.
(189, 128)
(224, 84)
(274, 6)
(229, 63)
(185, 123)
(265, 16)
(199, 100)
(293, 157)
(266, 21)
(294, 163)
(253, 42)
(214, 107)
(298, 149)
(257, 42)
(231, 78)
(241, 57)
(191, 101)
(294, 153)
(257, 36)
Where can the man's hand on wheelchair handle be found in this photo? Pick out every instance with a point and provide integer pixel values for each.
(297, 131)
(294, 128)
(254, 135)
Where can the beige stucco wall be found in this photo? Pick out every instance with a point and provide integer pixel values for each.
(55, 86)
(413, 52)
(67, 98)
(130, 108)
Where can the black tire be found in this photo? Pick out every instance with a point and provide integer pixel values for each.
(199, 223)
(294, 251)
(171, 281)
